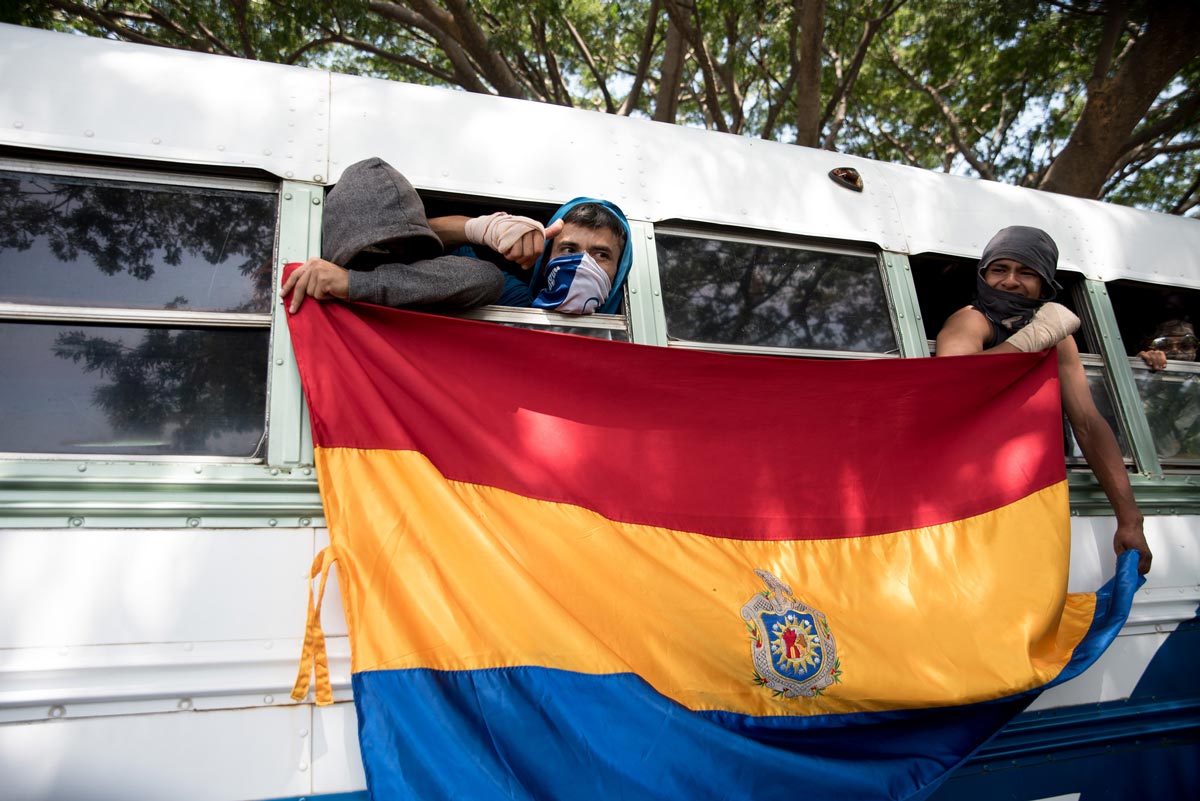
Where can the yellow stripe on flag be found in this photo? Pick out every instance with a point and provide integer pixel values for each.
(452, 576)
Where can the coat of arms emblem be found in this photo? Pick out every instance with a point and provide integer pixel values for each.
(791, 643)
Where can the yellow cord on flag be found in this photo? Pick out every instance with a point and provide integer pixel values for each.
(313, 658)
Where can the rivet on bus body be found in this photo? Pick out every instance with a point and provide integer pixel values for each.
(76, 522)
(197, 469)
(268, 699)
(89, 134)
(318, 179)
(633, 290)
(272, 522)
(193, 522)
(274, 471)
(304, 732)
(287, 195)
(57, 711)
(185, 704)
(307, 471)
(303, 766)
(306, 521)
(221, 147)
(267, 152)
(279, 362)
(316, 201)
(288, 174)
(82, 468)
(156, 141)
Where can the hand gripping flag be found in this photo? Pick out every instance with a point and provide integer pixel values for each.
(574, 568)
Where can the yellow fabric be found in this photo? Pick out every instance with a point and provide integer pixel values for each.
(313, 658)
(453, 576)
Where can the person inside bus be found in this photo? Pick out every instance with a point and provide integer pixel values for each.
(1172, 339)
(379, 247)
(1013, 311)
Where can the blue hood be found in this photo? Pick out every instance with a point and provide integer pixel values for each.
(613, 304)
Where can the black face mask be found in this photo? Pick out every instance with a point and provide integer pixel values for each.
(1035, 249)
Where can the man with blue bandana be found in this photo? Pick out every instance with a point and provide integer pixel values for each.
(1013, 311)
(378, 247)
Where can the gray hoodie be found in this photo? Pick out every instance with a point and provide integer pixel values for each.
(375, 226)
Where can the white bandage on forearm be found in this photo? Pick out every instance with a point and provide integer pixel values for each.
(1051, 324)
(499, 231)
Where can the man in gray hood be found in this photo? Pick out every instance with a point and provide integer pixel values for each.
(378, 247)
(1013, 311)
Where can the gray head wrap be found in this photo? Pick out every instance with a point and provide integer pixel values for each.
(1033, 248)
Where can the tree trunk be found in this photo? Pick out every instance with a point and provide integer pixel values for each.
(811, 16)
(666, 103)
(1116, 104)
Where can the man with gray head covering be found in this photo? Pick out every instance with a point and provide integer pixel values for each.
(1014, 311)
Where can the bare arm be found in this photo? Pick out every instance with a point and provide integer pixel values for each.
(965, 333)
(451, 230)
(1102, 453)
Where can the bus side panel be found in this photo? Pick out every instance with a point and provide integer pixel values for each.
(228, 754)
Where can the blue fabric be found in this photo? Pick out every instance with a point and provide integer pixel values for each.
(613, 305)
(542, 733)
(516, 293)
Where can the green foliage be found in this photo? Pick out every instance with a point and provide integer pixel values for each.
(978, 87)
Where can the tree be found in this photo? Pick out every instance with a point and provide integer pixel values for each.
(1095, 98)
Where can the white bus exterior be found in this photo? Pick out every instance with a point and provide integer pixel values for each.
(154, 584)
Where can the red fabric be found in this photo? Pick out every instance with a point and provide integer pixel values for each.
(535, 408)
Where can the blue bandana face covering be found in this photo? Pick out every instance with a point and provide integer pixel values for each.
(1035, 249)
(575, 284)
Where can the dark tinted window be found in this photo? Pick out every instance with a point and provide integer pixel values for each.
(109, 281)
(74, 241)
(740, 293)
(99, 389)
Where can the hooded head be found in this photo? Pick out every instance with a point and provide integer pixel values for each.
(592, 214)
(1033, 248)
(374, 216)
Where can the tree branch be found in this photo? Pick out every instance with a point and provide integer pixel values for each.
(682, 15)
(643, 64)
(407, 61)
(985, 170)
(581, 45)
(466, 74)
(845, 84)
(1184, 114)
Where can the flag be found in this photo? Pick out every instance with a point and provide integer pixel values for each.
(576, 568)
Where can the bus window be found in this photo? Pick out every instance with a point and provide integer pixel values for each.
(134, 311)
(945, 284)
(750, 294)
(600, 326)
(1163, 318)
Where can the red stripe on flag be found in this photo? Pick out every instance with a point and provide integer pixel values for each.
(530, 412)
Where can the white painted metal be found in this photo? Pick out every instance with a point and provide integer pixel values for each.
(116, 99)
(190, 755)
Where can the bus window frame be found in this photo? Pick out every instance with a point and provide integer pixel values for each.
(132, 316)
(887, 281)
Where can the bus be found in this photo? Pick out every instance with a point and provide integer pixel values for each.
(158, 502)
